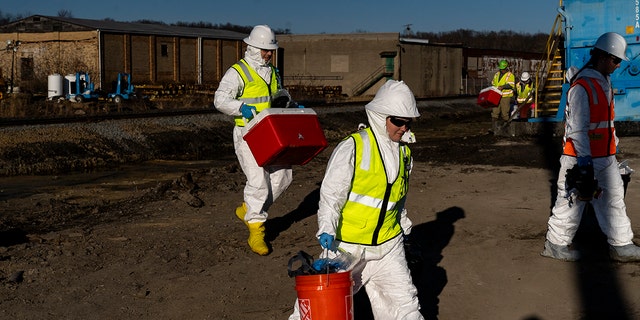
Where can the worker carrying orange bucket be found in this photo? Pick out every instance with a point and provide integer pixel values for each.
(362, 206)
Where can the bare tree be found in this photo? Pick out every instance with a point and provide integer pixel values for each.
(6, 18)
(63, 13)
(505, 39)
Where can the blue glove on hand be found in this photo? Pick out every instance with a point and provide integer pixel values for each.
(248, 111)
(584, 161)
(326, 241)
(319, 264)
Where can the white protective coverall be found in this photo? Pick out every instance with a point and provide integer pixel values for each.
(383, 268)
(609, 208)
(264, 184)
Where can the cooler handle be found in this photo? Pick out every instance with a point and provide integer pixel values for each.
(246, 121)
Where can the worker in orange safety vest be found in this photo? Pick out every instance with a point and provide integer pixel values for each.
(589, 171)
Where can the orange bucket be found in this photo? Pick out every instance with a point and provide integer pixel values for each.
(325, 296)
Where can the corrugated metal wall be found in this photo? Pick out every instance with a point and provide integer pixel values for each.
(432, 71)
(150, 59)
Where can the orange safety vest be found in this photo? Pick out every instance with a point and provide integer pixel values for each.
(601, 114)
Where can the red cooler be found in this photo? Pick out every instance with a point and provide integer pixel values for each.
(285, 136)
(489, 97)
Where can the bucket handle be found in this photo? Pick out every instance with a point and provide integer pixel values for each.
(326, 255)
(306, 265)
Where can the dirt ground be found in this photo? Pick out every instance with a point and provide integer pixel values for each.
(158, 239)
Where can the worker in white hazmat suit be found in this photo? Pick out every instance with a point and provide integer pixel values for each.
(246, 89)
(362, 204)
(589, 153)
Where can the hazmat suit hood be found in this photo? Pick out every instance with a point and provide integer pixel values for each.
(394, 98)
(253, 56)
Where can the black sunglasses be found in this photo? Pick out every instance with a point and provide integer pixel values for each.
(615, 59)
(399, 122)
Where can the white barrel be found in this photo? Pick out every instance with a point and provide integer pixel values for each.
(54, 86)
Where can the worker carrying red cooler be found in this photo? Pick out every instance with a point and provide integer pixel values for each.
(362, 203)
(247, 88)
(504, 81)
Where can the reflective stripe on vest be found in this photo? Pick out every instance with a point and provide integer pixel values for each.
(500, 80)
(601, 115)
(256, 92)
(523, 92)
(371, 215)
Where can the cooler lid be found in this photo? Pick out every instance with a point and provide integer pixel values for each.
(277, 111)
(492, 88)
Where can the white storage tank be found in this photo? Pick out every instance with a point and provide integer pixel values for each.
(54, 86)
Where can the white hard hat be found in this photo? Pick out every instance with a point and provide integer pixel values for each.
(394, 98)
(525, 76)
(614, 44)
(262, 37)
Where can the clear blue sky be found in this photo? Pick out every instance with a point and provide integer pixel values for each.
(319, 16)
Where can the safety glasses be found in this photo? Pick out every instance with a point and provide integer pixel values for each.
(615, 59)
(399, 122)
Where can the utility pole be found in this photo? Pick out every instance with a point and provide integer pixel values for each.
(13, 46)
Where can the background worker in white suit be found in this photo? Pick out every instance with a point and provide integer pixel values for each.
(246, 89)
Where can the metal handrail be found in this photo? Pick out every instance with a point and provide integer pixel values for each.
(378, 72)
(548, 55)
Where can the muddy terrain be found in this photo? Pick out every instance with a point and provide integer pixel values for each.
(133, 219)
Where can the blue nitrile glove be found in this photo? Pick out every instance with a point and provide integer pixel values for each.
(319, 264)
(326, 241)
(248, 111)
(584, 161)
(300, 106)
(328, 265)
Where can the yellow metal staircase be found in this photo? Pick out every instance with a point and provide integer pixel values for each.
(550, 74)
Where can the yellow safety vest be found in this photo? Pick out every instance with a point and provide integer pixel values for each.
(500, 80)
(523, 92)
(256, 92)
(371, 215)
